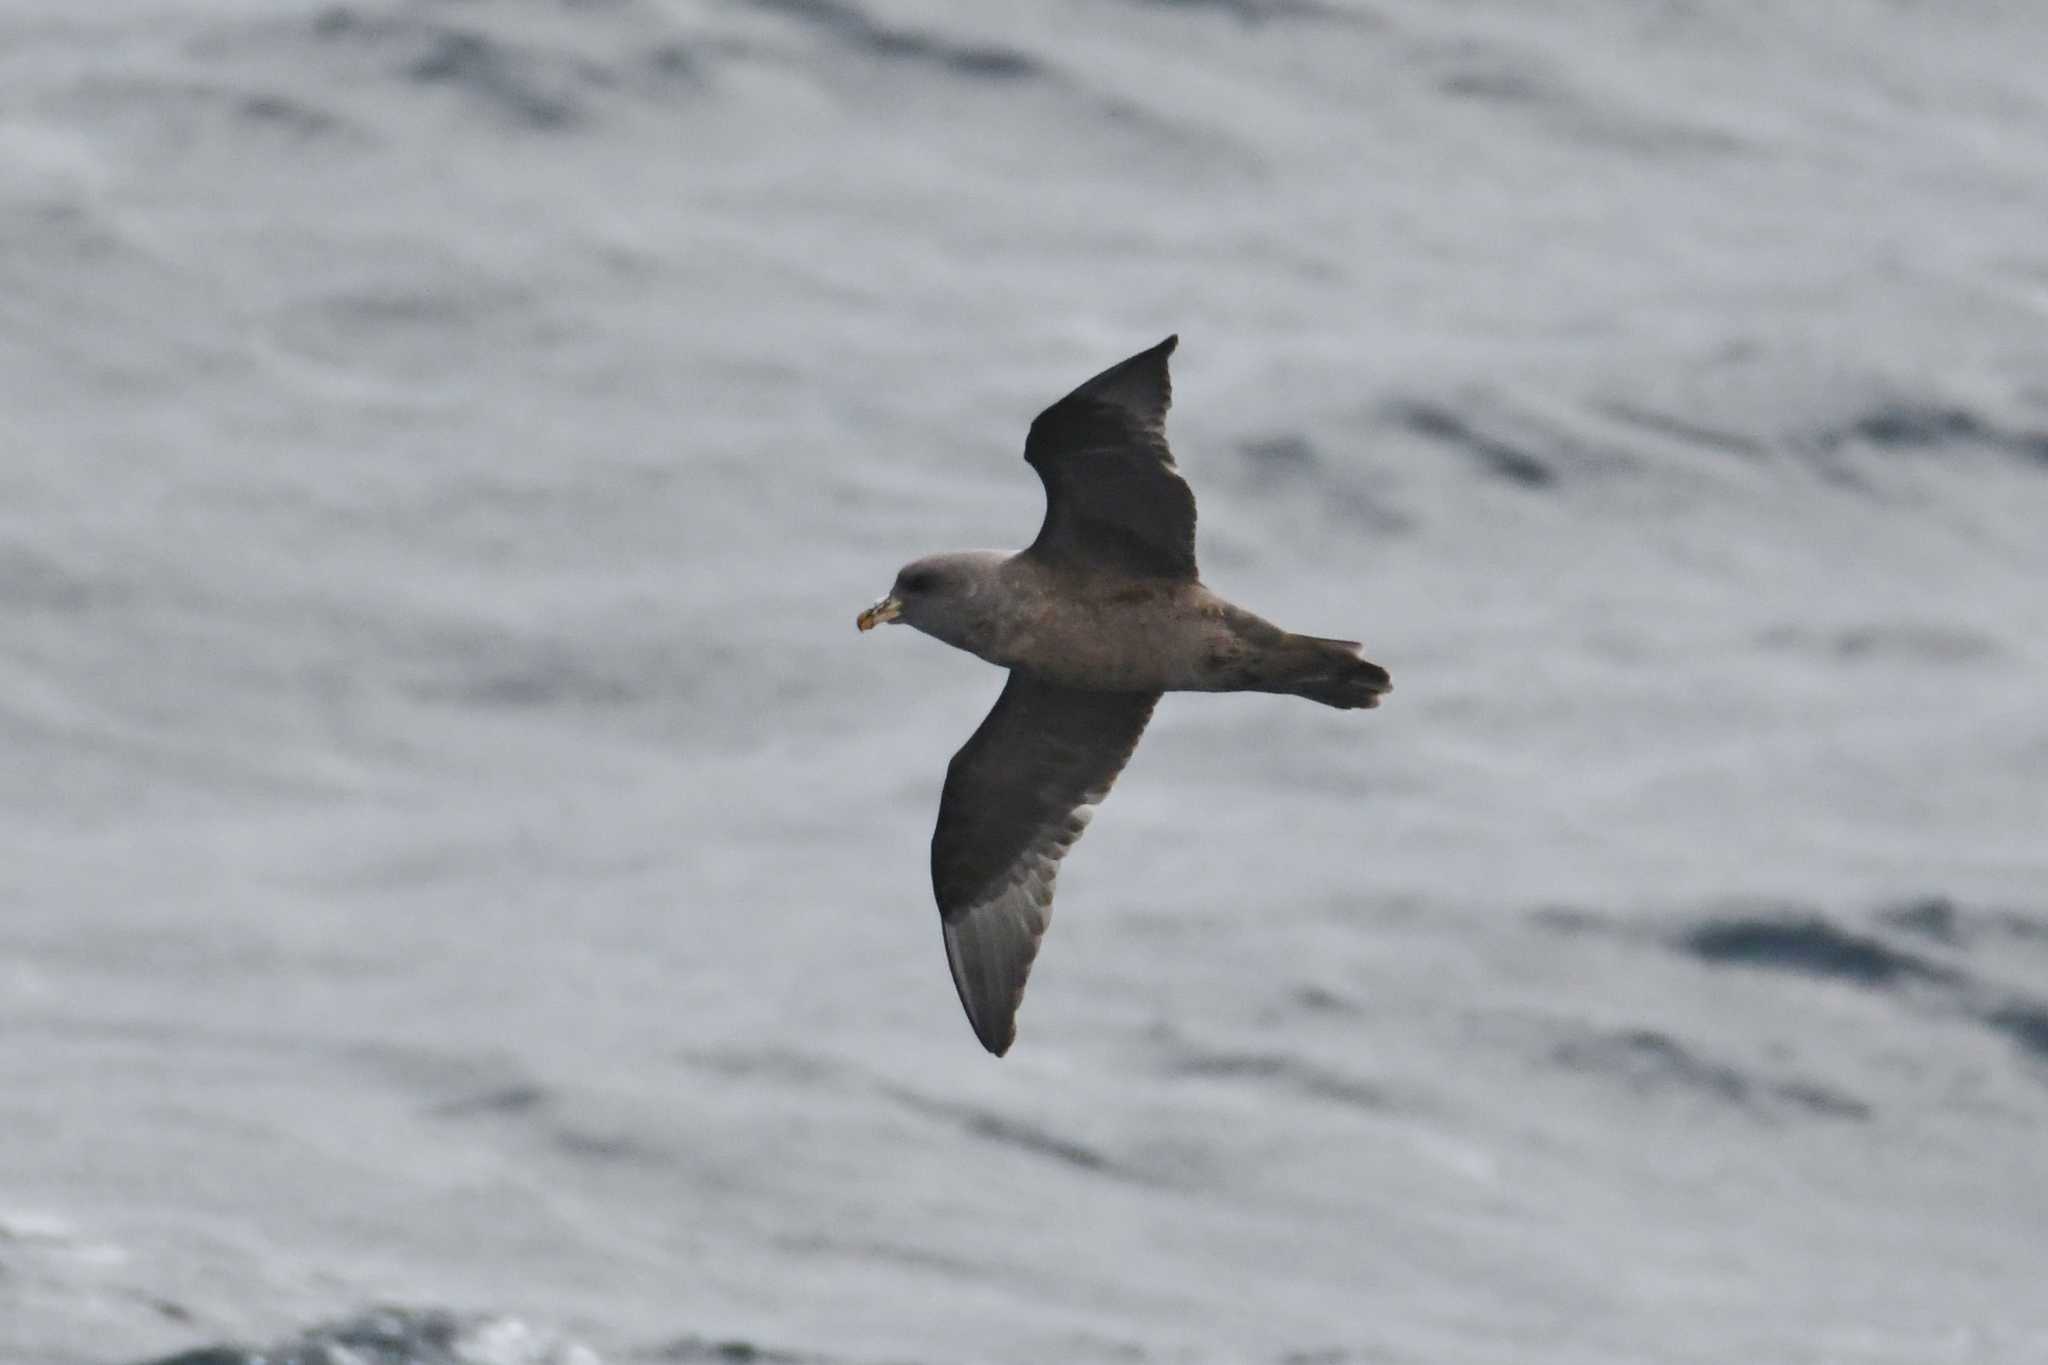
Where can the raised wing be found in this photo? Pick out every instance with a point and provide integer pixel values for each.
(1113, 497)
(1018, 794)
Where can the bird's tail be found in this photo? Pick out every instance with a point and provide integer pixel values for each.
(1329, 671)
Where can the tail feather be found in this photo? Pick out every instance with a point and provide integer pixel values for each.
(1328, 671)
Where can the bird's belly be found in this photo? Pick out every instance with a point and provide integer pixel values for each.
(1119, 646)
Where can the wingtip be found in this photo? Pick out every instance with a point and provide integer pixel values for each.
(1165, 348)
(995, 1029)
(994, 1034)
(991, 1008)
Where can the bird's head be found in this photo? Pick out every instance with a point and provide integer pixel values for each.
(949, 597)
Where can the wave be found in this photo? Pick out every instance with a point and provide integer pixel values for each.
(405, 1336)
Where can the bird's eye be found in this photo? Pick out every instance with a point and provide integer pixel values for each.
(923, 581)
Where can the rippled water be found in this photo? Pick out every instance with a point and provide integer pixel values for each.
(459, 855)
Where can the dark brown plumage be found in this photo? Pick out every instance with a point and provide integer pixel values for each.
(1113, 495)
(1017, 796)
(1102, 614)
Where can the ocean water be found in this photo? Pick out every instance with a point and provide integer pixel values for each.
(462, 877)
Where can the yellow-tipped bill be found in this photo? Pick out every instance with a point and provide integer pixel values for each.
(888, 609)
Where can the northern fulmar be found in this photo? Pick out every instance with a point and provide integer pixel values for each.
(1102, 614)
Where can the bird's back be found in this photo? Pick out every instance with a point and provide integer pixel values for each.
(1116, 633)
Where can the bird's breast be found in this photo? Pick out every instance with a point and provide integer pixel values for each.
(1124, 638)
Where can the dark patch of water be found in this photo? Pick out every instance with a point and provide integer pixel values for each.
(1495, 455)
(854, 27)
(1808, 944)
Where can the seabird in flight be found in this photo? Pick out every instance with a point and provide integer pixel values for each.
(1102, 614)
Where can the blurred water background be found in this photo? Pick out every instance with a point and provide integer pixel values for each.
(456, 853)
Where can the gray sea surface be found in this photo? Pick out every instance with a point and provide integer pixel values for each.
(463, 888)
